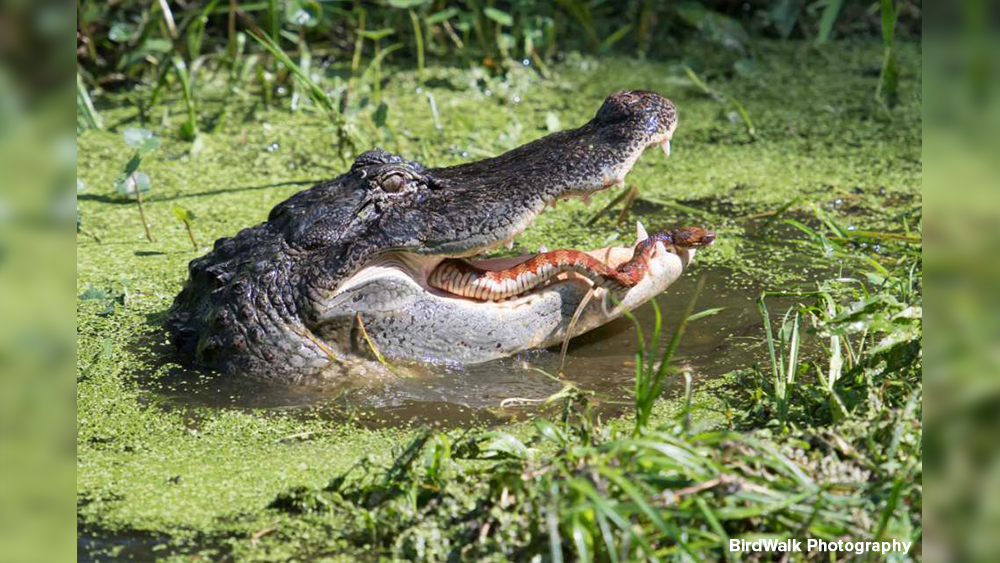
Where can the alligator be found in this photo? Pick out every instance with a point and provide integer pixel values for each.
(340, 271)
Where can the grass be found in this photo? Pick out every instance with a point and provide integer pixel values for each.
(650, 374)
(142, 41)
(836, 453)
(575, 489)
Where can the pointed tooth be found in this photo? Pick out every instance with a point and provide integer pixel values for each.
(640, 232)
(542, 249)
(659, 249)
(510, 244)
(665, 145)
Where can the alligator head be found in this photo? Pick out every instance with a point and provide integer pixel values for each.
(341, 269)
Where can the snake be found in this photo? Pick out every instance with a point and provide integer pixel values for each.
(465, 279)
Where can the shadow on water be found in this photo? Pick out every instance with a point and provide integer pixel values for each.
(119, 200)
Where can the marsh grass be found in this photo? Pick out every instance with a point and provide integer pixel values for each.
(87, 116)
(649, 373)
(828, 445)
(888, 85)
(142, 42)
(830, 449)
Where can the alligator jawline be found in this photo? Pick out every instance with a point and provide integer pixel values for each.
(418, 268)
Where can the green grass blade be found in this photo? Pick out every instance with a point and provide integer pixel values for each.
(776, 367)
(716, 527)
(613, 515)
(552, 525)
(318, 95)
(826, 21)
(706, 313)
(85, 106)
(579, 534)
(418, 38)
(890, 507)
(637, 497)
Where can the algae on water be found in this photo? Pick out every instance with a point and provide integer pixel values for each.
(150, 469)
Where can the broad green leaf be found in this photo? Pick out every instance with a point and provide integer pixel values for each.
(552, 123)
(505, 444)
(121, 32)
(137, 181)
(157, 46)
(303, 13)
(183, 215)
(549, 431)
(142, 140)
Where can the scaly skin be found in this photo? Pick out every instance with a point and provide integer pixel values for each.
(280, 299)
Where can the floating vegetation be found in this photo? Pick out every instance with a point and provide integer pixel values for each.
(821, 437)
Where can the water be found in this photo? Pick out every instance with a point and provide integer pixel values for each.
(508, 389)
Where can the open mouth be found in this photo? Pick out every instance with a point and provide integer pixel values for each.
(615, 268)
(472, 278)
(514, 280)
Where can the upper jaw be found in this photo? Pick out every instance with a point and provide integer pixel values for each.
(612, 176)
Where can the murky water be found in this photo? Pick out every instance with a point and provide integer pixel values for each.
(602, 361)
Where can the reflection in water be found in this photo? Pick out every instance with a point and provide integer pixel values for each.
(602, 360)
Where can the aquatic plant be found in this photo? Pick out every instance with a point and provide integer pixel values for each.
(835, 451)
(86, 115)
(846, 460)
(187, 217)
(131, 181)
(144, 41)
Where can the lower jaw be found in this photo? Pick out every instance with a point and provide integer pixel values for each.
(428, 325)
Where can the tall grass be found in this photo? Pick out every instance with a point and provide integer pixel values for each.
(141, 41)
(783, 352)
(844, 463)
(650, 373)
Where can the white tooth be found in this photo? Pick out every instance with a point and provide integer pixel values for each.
(659, 249)
(510, 244)
(665, 145)
(542, 249)
(640, 232)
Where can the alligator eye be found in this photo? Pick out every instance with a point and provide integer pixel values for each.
(393, 183)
